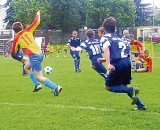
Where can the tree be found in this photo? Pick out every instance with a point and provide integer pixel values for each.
(25, 10)
(97, 10)
(67, 15)
(142, 13)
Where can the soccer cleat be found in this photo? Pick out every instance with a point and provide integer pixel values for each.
(37, 88)
(78, 70)
(140, 108)
(24, 74)
(135, 93)
(57, 90)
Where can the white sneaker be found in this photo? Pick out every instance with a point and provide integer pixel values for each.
(141, 108)
(57, 90)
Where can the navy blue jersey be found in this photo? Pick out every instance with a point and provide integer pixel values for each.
(118, 48)
(74, 42)
(127, 41)
(92, 46)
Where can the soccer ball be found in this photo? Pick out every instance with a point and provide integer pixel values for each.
(48, 70)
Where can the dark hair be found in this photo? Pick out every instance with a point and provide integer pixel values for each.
(17, 26)
(90, 33)
(109, 24)
(146, 51)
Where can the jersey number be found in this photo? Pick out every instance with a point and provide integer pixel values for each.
(123, 46)
(95, 49)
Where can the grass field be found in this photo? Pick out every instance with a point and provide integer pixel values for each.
(83, 103)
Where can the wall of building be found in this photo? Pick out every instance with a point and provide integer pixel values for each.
(2, 16)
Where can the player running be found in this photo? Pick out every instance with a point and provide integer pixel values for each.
(24, 39)
(92, 46)
(74, 41)
(117, 57)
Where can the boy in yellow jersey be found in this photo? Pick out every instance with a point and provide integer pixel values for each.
(144, 63)
(65, 49)
(58, 50)
(24, 39)
(52, 49)
(48, 48)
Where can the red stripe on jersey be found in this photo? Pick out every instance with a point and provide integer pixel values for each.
(16, 38)
(33, 23)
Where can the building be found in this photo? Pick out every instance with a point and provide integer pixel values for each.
(2, 16)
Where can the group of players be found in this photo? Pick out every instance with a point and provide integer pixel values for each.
(116, 55)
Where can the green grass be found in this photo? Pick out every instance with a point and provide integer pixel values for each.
(83, 104)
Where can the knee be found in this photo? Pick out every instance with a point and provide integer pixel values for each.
(27, 67)
(93, 67)
(107, 88)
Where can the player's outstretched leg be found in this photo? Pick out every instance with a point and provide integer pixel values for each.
(138, 102)
(134, 91)
(56, 88)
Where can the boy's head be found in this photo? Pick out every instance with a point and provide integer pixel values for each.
(101, 32)
(146, 53)
(17, 26)
(74, 34)
(125, 32)
(90, 33)
(109, 24)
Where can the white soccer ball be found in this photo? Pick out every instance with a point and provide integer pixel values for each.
(48, 70)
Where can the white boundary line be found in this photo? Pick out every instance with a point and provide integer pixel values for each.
(59, 106)
(76, 107)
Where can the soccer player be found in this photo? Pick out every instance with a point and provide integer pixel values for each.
(136, 49)
(118, 61)
(24, 39)
(44, 49)
(48, 49)
(136, 46)
(145, 62)
(58, 50)
(92, 46)
(65, 49)
(74, 41)
(127, 40)
(101, 32)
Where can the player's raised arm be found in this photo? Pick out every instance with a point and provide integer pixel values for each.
(38, 12)
(35, 23)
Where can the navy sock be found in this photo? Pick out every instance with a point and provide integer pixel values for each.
(138, 102)
(75, 65)
(78, 62)
(121, 89)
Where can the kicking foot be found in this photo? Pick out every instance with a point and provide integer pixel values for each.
(135, 93)
(57, 90)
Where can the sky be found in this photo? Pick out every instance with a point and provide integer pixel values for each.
(156, 2)
(2, 2)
